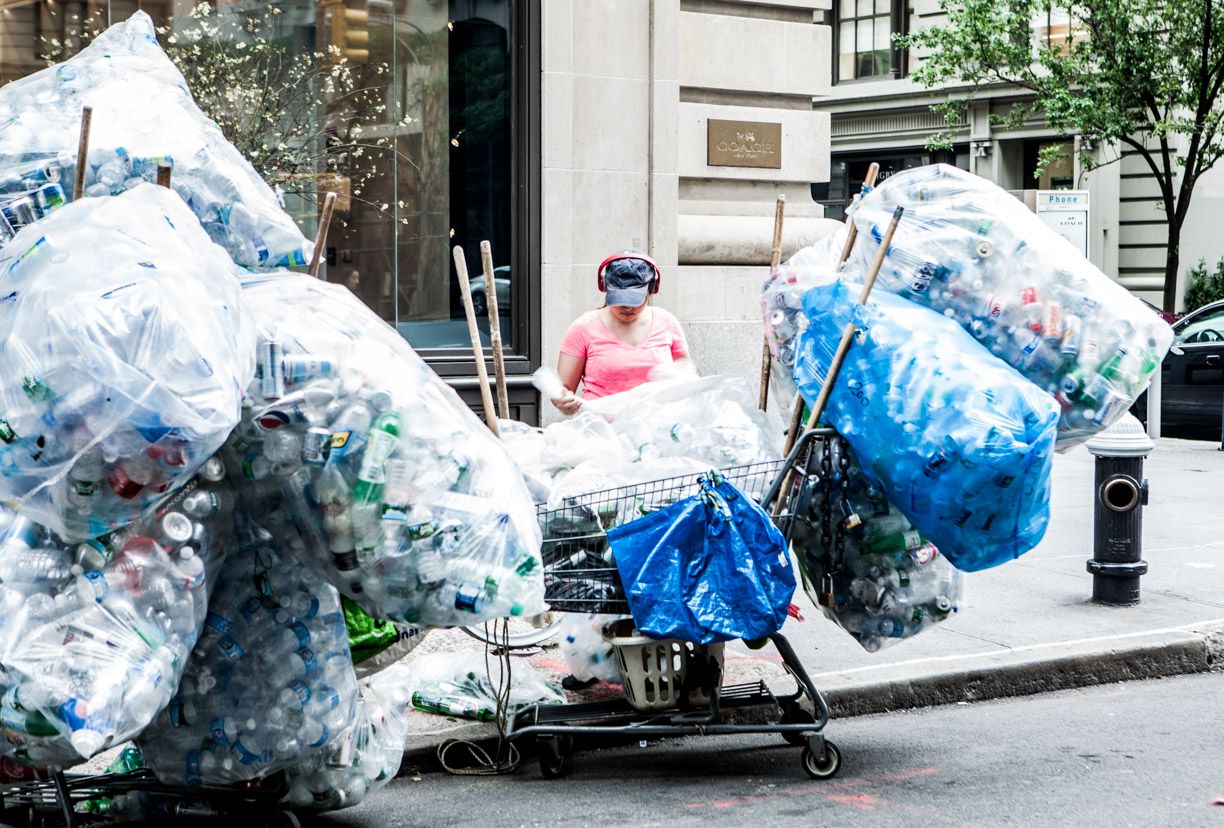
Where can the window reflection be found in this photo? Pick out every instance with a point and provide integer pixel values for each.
(417, 146)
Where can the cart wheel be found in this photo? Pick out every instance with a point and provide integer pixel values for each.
(822, 770)
(794, 714)
(553, 758)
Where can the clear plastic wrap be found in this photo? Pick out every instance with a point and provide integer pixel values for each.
(660, 429)
(270, 682)
(143, 114)
(391, 488)
(124, 353)
(465, 684)
(94, 637)
(959, 441)
(973, 252)
(366, 756)
(887, 581)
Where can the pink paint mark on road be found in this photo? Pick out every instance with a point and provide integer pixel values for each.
(822, 789)
(859, 802)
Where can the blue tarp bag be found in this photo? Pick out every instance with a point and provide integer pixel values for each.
(961, 443)
(711, 567)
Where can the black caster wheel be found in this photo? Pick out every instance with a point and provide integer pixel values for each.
(794, 714)
(554, 758)
(822, 770)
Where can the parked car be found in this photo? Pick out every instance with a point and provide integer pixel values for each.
(1192, 377)
(480, 297)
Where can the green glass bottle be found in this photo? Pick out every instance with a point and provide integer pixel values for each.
(384, 437)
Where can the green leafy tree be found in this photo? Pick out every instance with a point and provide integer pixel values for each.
(1203, 286)
(1140, 74)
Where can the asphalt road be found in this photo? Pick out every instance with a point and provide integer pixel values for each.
(1139, 753)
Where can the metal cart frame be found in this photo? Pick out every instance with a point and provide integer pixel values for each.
(50, 802)
(581, 577)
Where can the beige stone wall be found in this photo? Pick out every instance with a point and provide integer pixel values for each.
(628, 88)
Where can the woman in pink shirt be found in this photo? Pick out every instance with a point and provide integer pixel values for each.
(614, 348)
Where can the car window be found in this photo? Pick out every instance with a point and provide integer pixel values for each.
(1208, 327)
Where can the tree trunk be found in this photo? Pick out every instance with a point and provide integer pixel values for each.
(1172, 261)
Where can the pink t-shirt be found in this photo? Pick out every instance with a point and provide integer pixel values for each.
(611, 365)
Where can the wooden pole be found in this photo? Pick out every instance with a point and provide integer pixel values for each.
(848, 333)
(329, 206)
(843, 347)
(775, 256)
(495, 338)
(465, 289)
(792, 433)
(82, 161)
(163, 174)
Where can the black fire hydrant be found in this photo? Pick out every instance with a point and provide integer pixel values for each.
(1121, 494)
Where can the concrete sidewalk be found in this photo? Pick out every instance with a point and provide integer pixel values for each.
(1024, 627)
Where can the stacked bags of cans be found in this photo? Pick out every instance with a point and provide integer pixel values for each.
(143, 115)
(94, 636)
(974, 253)
(373, 471)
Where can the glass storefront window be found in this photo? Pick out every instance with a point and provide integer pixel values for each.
(416, 144)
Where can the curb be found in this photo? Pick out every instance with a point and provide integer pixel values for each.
(1040, 668)
(1023, 671)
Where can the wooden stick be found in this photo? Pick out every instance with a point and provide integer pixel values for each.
(329, 205)
(775, 256)
(495, 338)
(82, 161)
(465, 289)
(163, 174)
(792, 433)
(848, 334)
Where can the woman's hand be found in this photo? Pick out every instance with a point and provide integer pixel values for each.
(568, 405)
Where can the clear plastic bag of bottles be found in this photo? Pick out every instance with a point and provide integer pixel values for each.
(124, 350)
(392, 489)
(862, 562)
(587, 654)
(143, 114)
(959, 441)
(94, 637)
(468, 684)
(660, 429)
(366, 756)
(975, 253)
(270, 683)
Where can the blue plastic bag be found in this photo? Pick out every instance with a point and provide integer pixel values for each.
(961, 442)
(711, 567)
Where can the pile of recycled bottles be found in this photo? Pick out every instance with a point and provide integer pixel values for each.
(986, 344)
(210, 469)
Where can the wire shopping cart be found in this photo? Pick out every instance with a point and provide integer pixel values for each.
(672, 688)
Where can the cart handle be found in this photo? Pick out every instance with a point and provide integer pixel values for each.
(790, 463)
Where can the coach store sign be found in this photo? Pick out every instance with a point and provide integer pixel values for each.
(743, 144)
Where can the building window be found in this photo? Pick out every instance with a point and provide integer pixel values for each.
(847, 171)
(865, 30)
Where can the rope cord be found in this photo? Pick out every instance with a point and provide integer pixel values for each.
(506, 756)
